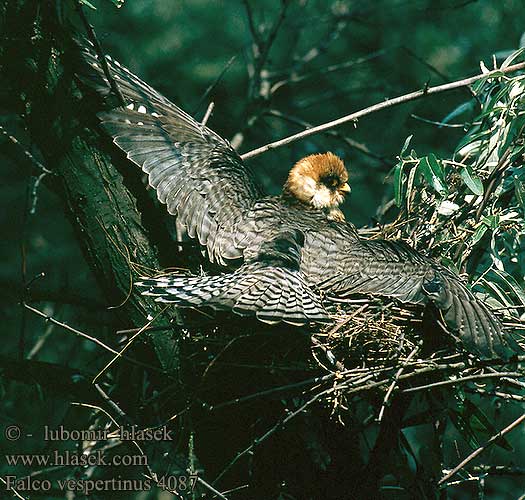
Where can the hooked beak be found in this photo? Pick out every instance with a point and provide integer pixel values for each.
(345, 188)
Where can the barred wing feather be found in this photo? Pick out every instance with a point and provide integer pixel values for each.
(393, 269)
(270, 285)
(195, 172)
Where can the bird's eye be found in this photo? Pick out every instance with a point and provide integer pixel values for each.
(331, 182)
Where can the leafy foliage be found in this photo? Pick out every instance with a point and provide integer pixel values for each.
(471, 205)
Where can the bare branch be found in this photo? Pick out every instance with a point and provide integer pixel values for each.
(150, 473)
(90, 338)
(128, 344)
(294, 78)
(207, 114)
(211, 488)
(463, 379)
(12, 490)
(100, 54)
(394, 383)
(251, 23)
(351, 143)
(478, 451)
(28, 154)
(439, 124)
(262, 52)
(214, 84)
(412, 96)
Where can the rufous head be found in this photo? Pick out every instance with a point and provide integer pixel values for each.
(319, 180)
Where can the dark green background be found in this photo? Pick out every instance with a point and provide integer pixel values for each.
(180, 48)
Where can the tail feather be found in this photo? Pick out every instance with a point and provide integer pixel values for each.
(270, 293)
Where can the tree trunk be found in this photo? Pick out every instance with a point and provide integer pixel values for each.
(38, 57)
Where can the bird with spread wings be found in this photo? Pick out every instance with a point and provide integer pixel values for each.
(283, 256)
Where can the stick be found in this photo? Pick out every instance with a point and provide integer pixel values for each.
(412, 96)
(475, 453)
(207, 114)
(65, 326)
(100, 54)
(393, 385)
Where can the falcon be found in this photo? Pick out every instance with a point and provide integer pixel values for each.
(283, 256)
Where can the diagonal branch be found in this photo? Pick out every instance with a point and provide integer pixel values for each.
(478, 451)
(412, 96)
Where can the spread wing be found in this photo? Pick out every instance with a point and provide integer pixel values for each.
(355, 266)
(393, 269)
(268, 285)
(195, 172)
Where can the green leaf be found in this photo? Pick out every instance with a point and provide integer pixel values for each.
(87, 3)
(479, 86)
(462, 425)
(405, 145)
(498, 98)
(491, 221)
(411, 458)
(472, 181)
(450, 264)
(485, 85)
(497, 291)
(433, 173)
(473, 136)
(459, 110)
(420, 418)
(496, 74)
(479, 422)
(478, 234)
(494, 252)
(512, 57)
(511, 284)
(519, 190)
(410, 185)
(474, 425)
(516, 153)
(398, 183)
